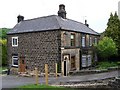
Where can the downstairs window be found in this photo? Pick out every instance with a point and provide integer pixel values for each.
(15, 60)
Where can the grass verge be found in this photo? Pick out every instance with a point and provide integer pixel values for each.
(106, 64)
(38, 86)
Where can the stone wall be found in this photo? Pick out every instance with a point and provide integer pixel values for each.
(66, 39)
(38, 48)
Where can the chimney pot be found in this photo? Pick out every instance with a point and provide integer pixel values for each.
(20, 18)
(86, 23)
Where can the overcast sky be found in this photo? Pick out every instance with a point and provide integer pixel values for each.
(96, 12)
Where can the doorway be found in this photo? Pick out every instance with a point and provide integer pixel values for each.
(73, 66)
(22, 66)
(65, 65)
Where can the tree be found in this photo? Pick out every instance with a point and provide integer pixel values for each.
(113, 29)
(106, 48)
(3, 48)
(3, 45)
(3, 33)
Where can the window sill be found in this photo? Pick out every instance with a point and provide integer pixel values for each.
(15, 66)
(14, 46)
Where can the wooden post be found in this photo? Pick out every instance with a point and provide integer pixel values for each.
(46, 74)
(56, 70)
(36, 76)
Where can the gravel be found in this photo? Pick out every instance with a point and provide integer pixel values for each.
(86, 84)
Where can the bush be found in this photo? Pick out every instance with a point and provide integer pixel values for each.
(106, 48)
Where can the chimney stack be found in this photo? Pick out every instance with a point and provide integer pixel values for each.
(86, 23)
(62, 12)
(20, 18)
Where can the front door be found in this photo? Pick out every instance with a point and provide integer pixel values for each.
(73, 66)
(22, 64)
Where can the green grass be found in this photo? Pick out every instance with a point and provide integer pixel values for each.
(38, 86)
(106, 64)
(2, 68)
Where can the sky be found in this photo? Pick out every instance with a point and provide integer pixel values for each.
(97, 12)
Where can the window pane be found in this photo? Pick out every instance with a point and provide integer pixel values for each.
(15, 61)
(89, 60)
(95, 40)
(72, 39)
(83, 41)
(72, 43)
(83, 60)
(14, 41)
(72, 36)
(90, 41)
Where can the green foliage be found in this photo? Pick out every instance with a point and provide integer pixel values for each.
(113, 29)
(106, 64)
(3, 47)
(3, 33)
(106, 48)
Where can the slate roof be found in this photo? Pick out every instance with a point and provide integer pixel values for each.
(52, 22)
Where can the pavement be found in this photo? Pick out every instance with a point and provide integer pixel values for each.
(12, 81)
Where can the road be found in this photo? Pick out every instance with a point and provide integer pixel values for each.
(12, 81)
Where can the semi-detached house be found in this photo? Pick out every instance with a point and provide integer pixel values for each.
(51, 39)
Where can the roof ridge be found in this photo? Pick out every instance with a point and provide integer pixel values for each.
(39, 18)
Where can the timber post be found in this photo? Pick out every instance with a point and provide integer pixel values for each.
(46, 74)
(36, 76)
(56, 70)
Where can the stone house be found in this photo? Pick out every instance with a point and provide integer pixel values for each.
(51, 39)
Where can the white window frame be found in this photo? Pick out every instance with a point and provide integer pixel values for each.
(13, 43)
(83, 41)
(14, 57)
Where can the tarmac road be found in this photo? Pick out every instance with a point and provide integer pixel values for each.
(12, 81)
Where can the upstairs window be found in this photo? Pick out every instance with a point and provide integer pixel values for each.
(14, 41)
(95, 40)
(83, 41)
(90, 41)
(15, 60)
(72, 39)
